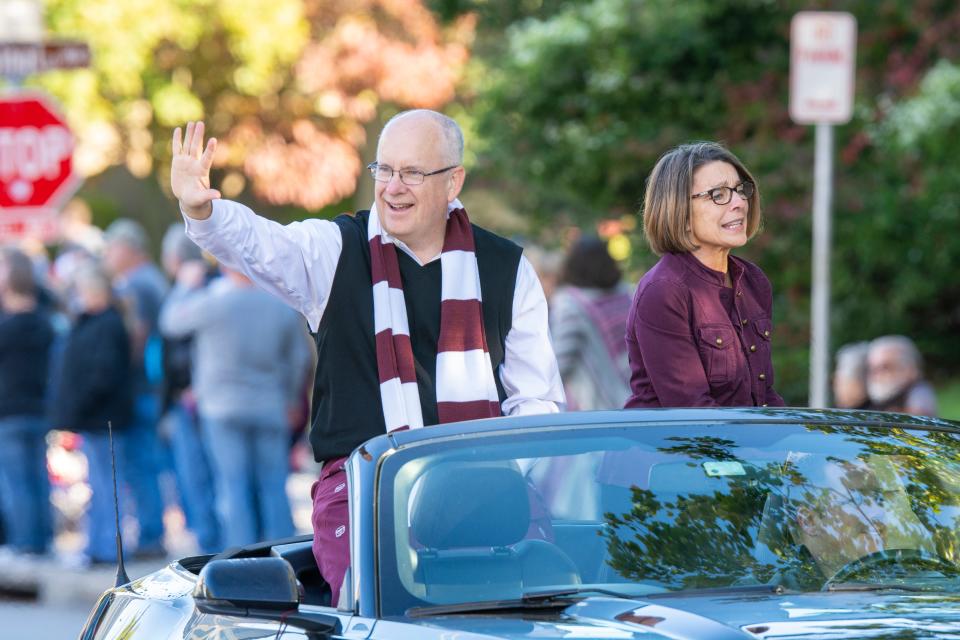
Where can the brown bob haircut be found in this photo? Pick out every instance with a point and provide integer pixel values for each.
(667, 205)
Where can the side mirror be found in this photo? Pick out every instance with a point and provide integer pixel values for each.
(232, 586)
(258, 588)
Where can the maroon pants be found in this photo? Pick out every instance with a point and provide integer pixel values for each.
(331, 525)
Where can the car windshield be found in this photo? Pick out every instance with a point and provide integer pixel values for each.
(655, 509)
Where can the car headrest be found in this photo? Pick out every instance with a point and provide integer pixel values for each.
(470, 506)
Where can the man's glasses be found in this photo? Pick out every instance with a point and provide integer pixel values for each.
(723, 195)
(409, 177)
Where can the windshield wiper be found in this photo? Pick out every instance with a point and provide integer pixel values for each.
(866, 586)
(710, 591)
(552, 599)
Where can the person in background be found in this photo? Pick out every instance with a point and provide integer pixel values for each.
(141, 288)
(95, 392)
(850, 377)
(548, 264)
(895, 377)
(26, 337)
(48, 302)
(249, 366)
(588, 319)
(180, 422)
(700, 330)
(77, 228)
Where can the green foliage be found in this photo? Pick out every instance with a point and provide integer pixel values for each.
(948, 400)
(584, 100)
(898, 258)
(157, 64)
(497, 15)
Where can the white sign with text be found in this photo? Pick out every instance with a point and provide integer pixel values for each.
(823, 51)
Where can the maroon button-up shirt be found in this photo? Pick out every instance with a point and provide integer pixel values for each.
(694, 342)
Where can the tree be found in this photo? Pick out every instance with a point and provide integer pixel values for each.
(898, 259)
(582, 102)
(288, 86)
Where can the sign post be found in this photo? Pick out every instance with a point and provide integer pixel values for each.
(36, 166)
(822, 63)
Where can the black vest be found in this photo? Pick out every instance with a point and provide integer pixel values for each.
(347, 409)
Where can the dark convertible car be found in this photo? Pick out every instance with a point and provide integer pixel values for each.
(730, 523)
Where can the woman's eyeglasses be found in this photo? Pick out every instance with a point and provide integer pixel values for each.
(723, 195)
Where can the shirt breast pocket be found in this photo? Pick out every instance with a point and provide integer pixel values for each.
(763, 328)
(717, 351)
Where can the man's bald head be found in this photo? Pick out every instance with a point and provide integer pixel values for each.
(448, 132)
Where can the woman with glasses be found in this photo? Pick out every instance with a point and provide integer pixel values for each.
(699, 332)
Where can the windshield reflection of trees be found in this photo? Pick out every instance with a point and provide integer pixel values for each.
(780, 522)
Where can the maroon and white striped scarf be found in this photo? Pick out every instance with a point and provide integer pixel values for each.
(464, 379)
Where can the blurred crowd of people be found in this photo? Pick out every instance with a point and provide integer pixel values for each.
(203, 379)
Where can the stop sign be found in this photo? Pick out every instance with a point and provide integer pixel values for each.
(36, 162)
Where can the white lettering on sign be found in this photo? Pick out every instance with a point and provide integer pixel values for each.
(31, 153)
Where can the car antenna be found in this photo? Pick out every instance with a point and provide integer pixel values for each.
(122, 577)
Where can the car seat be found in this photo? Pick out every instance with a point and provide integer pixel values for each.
(470, 522)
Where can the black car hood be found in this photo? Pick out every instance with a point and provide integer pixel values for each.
(833, 615)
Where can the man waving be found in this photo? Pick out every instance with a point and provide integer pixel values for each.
(420, 317)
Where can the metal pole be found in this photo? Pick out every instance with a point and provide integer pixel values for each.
(820, 306)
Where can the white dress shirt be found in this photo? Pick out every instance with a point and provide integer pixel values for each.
(298, 261)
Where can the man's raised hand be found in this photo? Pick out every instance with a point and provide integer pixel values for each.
(190, 171)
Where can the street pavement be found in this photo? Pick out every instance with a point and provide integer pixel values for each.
(32, 621)
(59, 583)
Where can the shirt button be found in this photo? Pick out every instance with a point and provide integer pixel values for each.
(719, 341)
(753, 347)
(767, 333)
(763, 376)
(739, 293)
(764, 404)
(744, 322)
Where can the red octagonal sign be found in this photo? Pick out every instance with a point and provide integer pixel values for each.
(36, 165)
